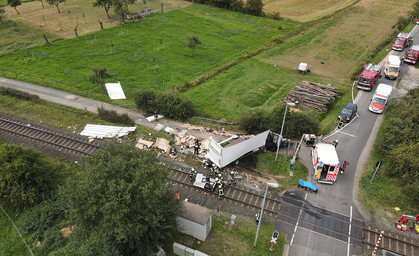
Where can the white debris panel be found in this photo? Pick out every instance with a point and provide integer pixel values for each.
(224, 156)
(115, 91)
(106, 131)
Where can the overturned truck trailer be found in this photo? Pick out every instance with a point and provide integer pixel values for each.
(223, 156)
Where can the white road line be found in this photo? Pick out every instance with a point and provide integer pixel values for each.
(298, 220)
(344, 133)
(353, 100)
(349, 234)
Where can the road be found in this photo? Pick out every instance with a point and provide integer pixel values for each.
(330, 222)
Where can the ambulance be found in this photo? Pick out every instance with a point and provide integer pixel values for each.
(392, 67)
(380, 98)
(325, 162)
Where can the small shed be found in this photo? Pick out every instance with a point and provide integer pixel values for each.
(195, 221)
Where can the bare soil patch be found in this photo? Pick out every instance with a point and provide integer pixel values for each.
(338, 50)
(76, 12)
(305, 10)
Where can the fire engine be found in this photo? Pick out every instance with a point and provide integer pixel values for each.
(412, 55)
(369, 77)
(403, 40)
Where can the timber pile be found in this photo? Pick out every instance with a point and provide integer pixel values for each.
(312, 95)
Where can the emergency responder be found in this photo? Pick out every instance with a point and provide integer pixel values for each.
(192, 175)
(177, 197)
(220, 191)
(257, 217)
(335, 143)
(196, 147)
(233, 179)
(343, 167)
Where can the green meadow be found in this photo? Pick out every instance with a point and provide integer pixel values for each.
(147, 53)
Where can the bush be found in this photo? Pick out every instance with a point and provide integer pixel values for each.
(26, 176)
(41, 217)
(113, 117)
(19, 94)
(254, 121)
(168, 104)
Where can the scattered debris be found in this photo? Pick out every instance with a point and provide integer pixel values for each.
(115, 91)
(65, 232)
(163, 145)
(144, 144)
(106, 131)
(154, 117)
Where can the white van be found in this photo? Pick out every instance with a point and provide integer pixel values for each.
(380, 98)
(392, 67)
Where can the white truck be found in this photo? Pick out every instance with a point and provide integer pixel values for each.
(223, 156)
(380, 98)
(325, 162)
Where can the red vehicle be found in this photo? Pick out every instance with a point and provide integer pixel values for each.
(403, 40)
(412, 55)
(369, 77)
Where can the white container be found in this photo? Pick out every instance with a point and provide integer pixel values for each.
(303, 66)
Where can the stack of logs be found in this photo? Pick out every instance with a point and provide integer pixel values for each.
(312, 95)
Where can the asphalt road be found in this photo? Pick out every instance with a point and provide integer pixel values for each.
(329, 222)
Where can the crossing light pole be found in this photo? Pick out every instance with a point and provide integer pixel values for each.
(274, 185)
(282, 129)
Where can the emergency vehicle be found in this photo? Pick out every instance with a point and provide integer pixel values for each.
(412, 55)
(392, 67)
(325, 162)
(403, 40)
(369, 77)
(380, 98)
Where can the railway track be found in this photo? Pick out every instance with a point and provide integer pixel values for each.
(391, 243)
(46, 137)
(237, 196)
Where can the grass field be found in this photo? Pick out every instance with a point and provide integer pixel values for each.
(305, 10)
(148, 53)
(343, 41)
(236, 242)
(250, 85)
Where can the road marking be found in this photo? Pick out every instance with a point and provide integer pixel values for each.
(298, 220)
(344, 133)
(349, 234)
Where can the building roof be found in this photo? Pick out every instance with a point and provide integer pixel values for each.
(195, 213)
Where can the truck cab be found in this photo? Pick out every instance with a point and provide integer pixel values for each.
(412, 55)
(380, 98)
(392, 67)
(369, 77)
(403, 40)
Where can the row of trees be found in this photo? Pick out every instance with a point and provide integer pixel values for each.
(297, 123)
(253, 7)
(119, 203)
(16, 3)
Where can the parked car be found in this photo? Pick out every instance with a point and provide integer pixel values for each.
(348, 112)
(307, 186)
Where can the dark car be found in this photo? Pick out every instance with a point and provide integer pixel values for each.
(348, 112)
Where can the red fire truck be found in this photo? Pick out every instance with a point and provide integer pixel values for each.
(369, 77)
(412, 55)
(403, 40)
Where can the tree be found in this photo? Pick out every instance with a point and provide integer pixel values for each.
(42, 3)
(254, 7)
(99, 75)
(56, 3)
(26, 177)
(237, 5)
(106, 4)
(121, 203)
(1, 15)
(121, 7)
(14, 4)
(192, 42)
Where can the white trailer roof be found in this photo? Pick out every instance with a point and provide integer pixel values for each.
(115, 91)
(224, 156)
(106, 131)
(327, 154)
